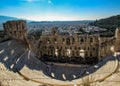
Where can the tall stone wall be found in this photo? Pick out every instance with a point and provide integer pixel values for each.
(85, 46)
(68, 47)
(117, 42)
(106, 47)
(16, 29)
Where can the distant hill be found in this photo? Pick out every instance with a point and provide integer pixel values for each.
(6, 18)
(62, 22)
(109, 23)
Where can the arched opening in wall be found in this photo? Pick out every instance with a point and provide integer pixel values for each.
(63, 53)
(56, 52)
(52, 51)
(91, 55)
(77, 53)
(73, 40)
(20, 36)
(55, 40)
(48, 41)
(15, 33)
(112, 49)
(59, 52)
(48, 52)
(63, 40)
(81, 40)
(68, 41)
(23, 26)
(82, 53)
(68, 52)
(91, 40)
(79, 48)
(73, 53)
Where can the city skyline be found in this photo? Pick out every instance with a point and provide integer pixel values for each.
(59, 10)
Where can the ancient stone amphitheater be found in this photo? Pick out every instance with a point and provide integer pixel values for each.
(20, 67)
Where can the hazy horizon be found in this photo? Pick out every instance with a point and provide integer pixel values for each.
(59, 10)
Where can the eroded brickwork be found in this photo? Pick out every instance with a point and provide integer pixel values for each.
(77, 46)
(117, 41)
(69, 45)
(16, 29)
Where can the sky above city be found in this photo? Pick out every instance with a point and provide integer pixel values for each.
(53, 10)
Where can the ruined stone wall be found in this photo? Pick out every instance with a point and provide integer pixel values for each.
(110, 45)
(85, 46)
(55, 45)
(16, 29)
(106, 47)
(117, 42)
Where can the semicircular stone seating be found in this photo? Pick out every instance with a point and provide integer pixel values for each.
(10, 51)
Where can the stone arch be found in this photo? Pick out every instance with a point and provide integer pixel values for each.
(68, 41)
(73, 40)
(91, 40)
(73, 53)
(81, 40)
(82, 53)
